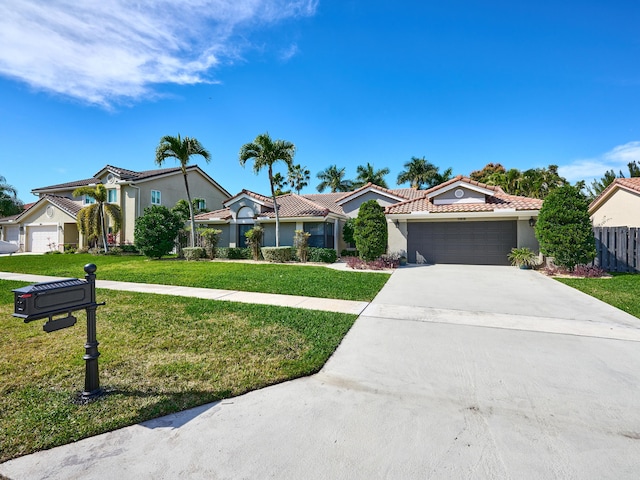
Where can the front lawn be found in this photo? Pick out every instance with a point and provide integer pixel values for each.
(621, 291)
(287, 279)
(159, 355)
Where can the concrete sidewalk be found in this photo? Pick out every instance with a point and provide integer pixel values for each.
(297, 301)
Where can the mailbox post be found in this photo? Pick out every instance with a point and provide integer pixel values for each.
(49, 299)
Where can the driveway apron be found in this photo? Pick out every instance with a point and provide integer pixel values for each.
(451, 372)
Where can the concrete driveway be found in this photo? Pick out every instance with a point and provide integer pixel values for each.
(452, 372)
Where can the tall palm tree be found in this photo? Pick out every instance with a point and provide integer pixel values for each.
(436, 178)
(279, 181)
(367, 174)
(182, 149)
(92, 219)
(265, 152)
(332, 177)
(9, 203)
(298, 177)
(417, 172)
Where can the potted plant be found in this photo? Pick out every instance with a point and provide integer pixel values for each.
(523, 257)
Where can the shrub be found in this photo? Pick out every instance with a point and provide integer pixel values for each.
(322, 255)
(254, 240)
(194, 253)
(276, 254)
(564, 229)
(589, 271)
(370, 231)
(523, 257)
(233, 253)
(210, 237)
(301, 244)
(114, 251)
(347, 231)
(128, 248)
(349, 253)
(156, 230)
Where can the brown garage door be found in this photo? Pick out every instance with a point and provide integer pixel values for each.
(473, 243)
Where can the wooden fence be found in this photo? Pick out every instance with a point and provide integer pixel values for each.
(618, 249)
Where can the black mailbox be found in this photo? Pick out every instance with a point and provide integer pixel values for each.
(46, 299)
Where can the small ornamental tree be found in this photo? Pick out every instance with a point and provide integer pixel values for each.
(564, 229)
(301, 242)
(254, 240)
(210, 237)
(370, 231)
(155, 231)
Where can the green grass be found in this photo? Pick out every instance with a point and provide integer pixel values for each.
(159, 355)
(621, 291)
(268, 278)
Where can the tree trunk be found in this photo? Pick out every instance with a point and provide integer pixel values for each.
(275, 207)
(193, 220)
(103, 222)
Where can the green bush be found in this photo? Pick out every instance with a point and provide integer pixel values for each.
(233, 253)
(156, 230)
(564, 229)
(128, 248)
(276, 254)
(370, 231)
(347, 231)
(114, 251)
(349, 253)
(322, 255)
(194, 253)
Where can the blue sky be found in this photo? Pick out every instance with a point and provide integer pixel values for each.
(463, 83)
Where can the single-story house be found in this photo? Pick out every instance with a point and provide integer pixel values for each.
(50, 223)
(459, 221)
(618, 205)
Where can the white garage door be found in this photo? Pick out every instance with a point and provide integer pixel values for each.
(43, 238)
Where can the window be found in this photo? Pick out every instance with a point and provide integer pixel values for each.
(112, 195)
(201, 204)
(89, 200)
(155, 197)
(321, 234)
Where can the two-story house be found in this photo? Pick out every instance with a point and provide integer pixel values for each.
(51, 222)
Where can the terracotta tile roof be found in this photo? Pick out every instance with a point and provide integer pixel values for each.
(68, 205)
(632, 183)
(327, 200)
(293, 205)
(408, 193)
(369, 185)
(462, 178)
(257, 196)
(497, 201)
(69, 185)
(223, 214)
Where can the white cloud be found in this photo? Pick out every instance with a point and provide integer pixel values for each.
(290, 52)
(106, 51)
(615, 159)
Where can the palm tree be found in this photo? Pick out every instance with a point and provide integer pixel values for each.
(182, 149)
(418, 172)
(298, 177)
(92, 219)
(367, 174)
(436, 178)
(279, 182)
(332, 177)
(9, 203)
(265, 152)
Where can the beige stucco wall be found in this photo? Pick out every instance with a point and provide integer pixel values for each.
(397, 242)
(622, 208)
(527, 236)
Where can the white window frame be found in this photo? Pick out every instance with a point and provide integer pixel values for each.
(155, 193)
(89, 200)
(201, 204)
(114, 192)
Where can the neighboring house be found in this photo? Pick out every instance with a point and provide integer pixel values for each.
(459, 221)
(50, 223)
(618, 205)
